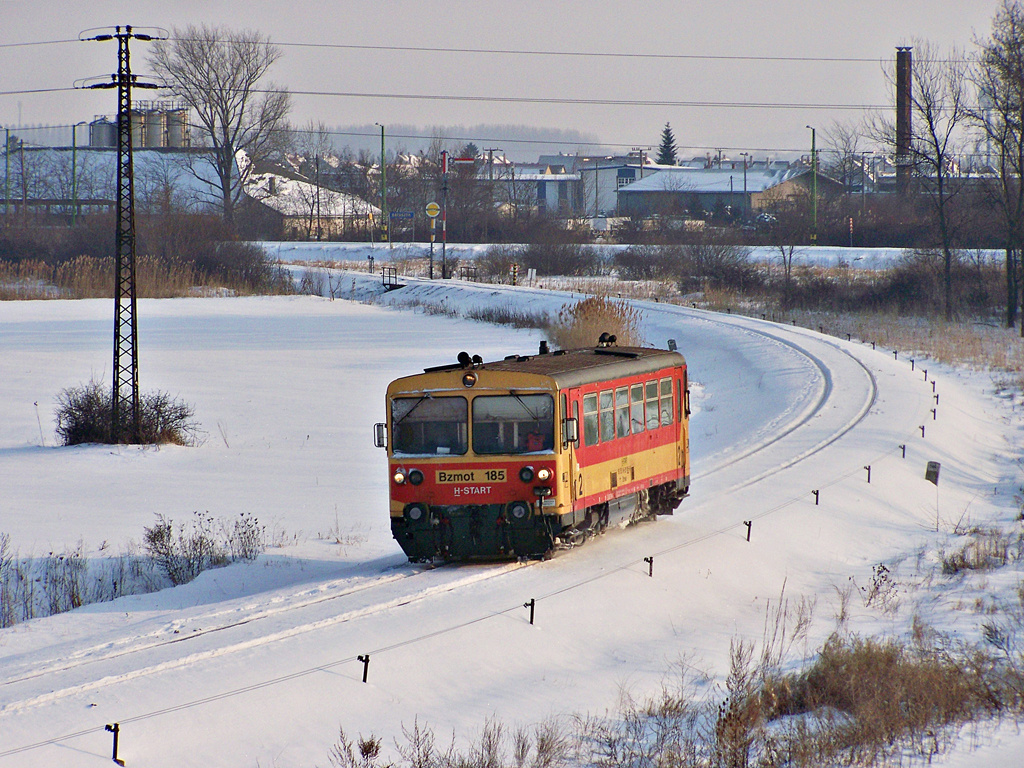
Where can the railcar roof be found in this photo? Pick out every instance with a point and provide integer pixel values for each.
(573, 367)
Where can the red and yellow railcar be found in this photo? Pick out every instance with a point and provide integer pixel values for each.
(522, 456)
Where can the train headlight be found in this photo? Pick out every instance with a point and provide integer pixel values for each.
(415, 476)
(399, 477)
(469, 379)
(526, 474)
(415, 512)
(543, 474)
(519, 510)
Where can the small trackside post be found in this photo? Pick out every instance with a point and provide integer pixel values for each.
(650, 566)
(366, 665)
(532, 604)
(114, 728)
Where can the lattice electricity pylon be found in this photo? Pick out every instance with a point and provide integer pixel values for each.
(124, 416)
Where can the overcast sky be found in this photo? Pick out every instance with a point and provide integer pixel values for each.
(833, 29)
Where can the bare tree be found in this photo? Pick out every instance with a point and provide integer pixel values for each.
(940, 111)
(842, 150)
(999, 77)
(787, 222)
(218, 73)
(311, 146)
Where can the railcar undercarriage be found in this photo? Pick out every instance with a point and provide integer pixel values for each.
(519, 529)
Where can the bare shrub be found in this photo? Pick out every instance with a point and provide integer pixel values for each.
(882, 590)
(84, 415)
(582, 323)
(313, 282)
(64, 580)
(185, 551)
(562, 259)
(547, 745)
(7, 580)
(245, 537)
(495, 264)
(712, 261)
(361, 753)
(646, 262)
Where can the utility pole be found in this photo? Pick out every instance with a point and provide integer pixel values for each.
(316, 160)
(385, 227)
(125, 395)
(7, 172)
(814, 187)
(746, 204)
(490, 185)
(74, 172)
(444, 214)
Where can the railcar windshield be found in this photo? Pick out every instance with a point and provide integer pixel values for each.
(429, 425)
(513, 423)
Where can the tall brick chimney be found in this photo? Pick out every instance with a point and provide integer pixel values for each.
(904, 83)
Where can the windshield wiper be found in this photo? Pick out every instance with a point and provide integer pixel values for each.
(526, 408)
(414, 407)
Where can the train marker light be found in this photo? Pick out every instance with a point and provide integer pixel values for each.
(399, 477)
(543, 474)
(415, 476)
(526, 474)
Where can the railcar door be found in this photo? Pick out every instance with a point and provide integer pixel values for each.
(571, 409)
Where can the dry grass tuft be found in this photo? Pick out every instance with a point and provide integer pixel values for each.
(984, 550)
(581, 324)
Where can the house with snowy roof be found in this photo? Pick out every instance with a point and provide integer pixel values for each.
(303, 210)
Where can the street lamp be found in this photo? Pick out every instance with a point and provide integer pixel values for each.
(385, 224)
(74, 171)
(814, 187)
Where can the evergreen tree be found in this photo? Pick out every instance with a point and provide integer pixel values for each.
(667, 150)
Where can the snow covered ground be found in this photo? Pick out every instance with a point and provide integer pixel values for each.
(257, 664)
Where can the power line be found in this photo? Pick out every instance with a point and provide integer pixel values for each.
(587, 102)
(583, 54)
(37, 42)
(29, 91)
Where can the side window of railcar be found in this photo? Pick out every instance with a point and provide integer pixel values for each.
(636, 408)
(666, 402)
(621, 411)
(426, 424)
(653, 417)
(590, 419)
(513, 423)
(607, 416)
